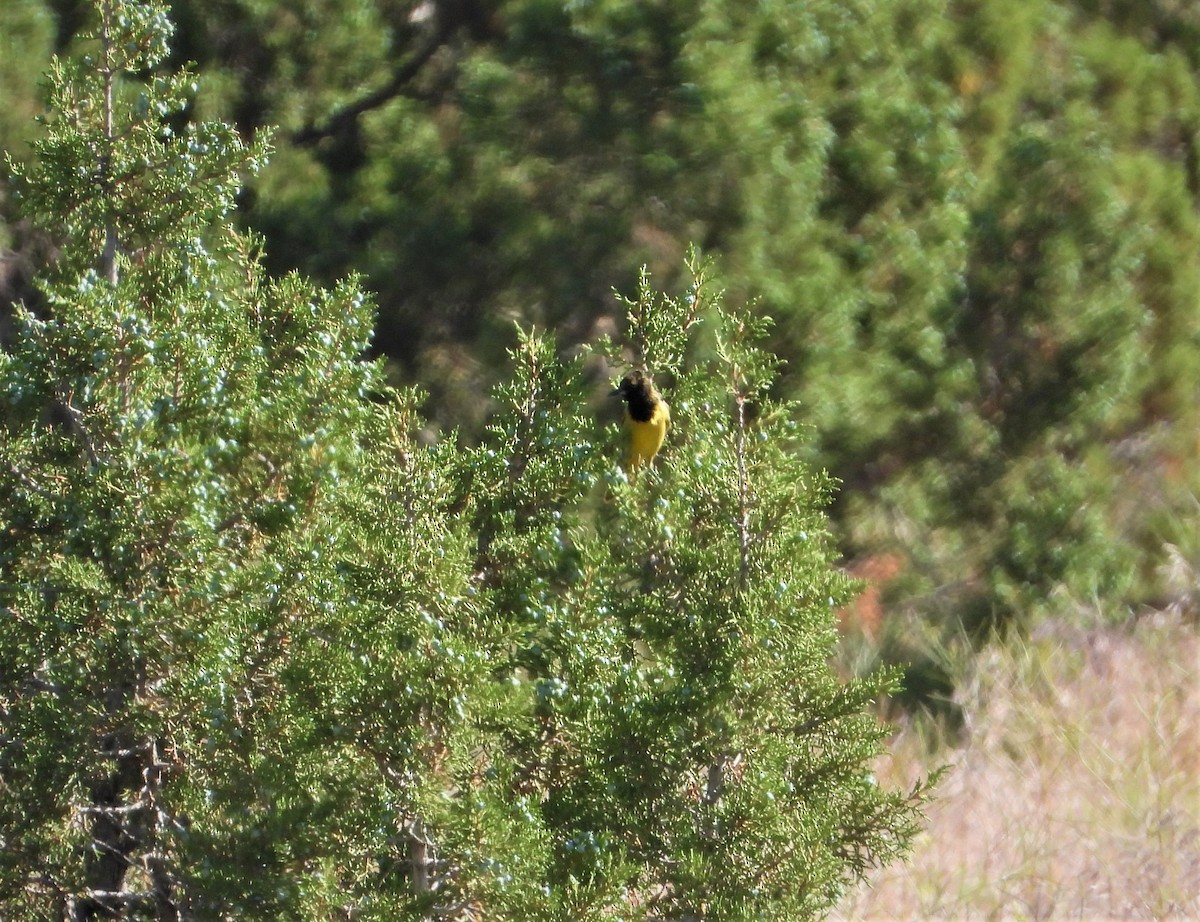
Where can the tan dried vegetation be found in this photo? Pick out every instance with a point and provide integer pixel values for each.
(1074, 792)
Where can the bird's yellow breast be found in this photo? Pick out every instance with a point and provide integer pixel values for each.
(646, 438)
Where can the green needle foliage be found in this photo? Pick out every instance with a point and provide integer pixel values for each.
(265, 654)
(973, 221)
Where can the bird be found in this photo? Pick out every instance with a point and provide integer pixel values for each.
(647, 417)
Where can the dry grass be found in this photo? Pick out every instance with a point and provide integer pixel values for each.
(1076, 794)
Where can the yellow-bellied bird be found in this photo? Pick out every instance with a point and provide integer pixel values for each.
(647, 417)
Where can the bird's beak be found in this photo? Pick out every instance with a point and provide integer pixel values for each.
(615, 392)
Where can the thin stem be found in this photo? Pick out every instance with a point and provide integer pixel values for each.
(108, 261)
(743, 490)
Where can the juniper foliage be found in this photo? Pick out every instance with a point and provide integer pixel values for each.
(266, 653)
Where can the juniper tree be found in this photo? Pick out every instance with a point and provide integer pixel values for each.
(209, 523)
(265, 653)
(692, 748)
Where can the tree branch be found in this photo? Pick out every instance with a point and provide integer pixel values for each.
(745, 536)
(344, 118)
(108, 261)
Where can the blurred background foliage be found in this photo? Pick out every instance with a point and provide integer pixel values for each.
(974, 223)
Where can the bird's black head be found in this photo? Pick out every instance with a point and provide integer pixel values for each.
(637, 390)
